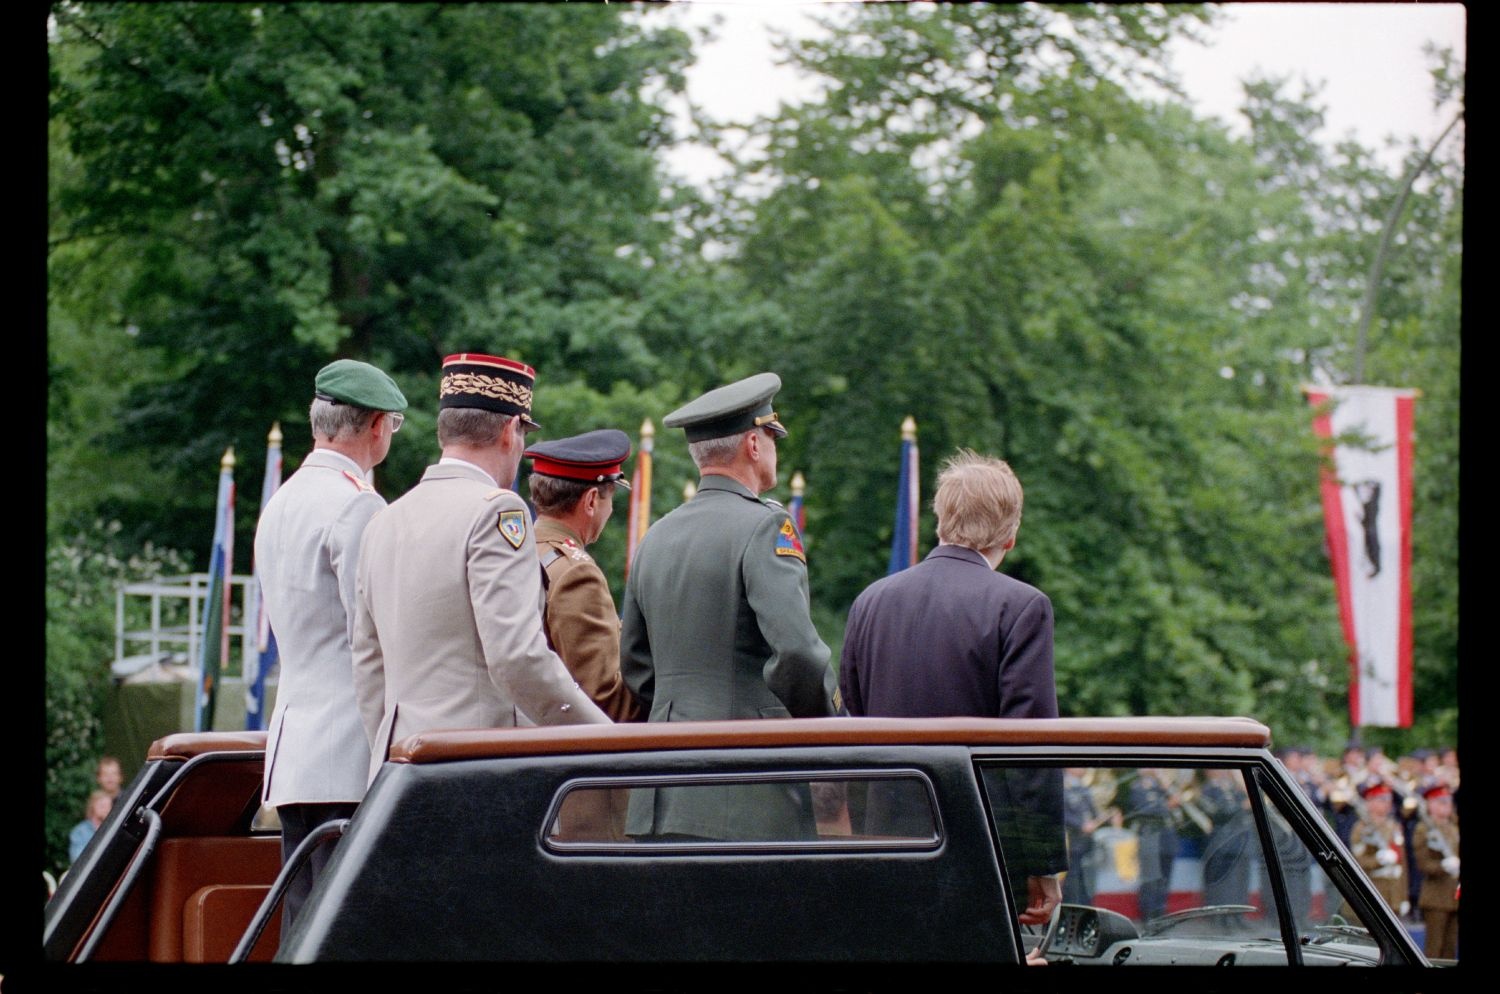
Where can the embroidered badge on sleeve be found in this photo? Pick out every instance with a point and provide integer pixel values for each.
(788, 542)
(512, 525)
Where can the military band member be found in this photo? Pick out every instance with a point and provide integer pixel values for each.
(1435, 845)
(573, 483)
(1377, 843)
(306, 551)
(716, 617)
(1150, 809)
(448, 630)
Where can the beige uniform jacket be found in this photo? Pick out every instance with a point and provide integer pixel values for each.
(580, 620)
(448, 623)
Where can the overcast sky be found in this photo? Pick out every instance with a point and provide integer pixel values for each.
(1368, 56)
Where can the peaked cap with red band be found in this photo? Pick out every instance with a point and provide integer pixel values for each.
(1437, 789)
(1374, 788)
(593, 457)
(488, 382)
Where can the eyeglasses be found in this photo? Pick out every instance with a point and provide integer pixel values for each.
(397, 420)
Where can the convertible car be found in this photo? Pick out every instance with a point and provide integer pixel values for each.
(822, 840)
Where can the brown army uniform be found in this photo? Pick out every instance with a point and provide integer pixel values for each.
(1439, 897)
(580, 620)
(583, 628)
(1365, 842)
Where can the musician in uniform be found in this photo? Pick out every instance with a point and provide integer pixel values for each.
(1231, 841)
(1150, 810)
(1435, 845)
(1378, 844)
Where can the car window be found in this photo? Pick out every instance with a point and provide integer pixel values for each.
(1162, 865)
(825, 809)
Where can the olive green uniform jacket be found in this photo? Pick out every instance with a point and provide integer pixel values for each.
(716, 625)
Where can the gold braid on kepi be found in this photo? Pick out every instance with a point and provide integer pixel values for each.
(488, 382)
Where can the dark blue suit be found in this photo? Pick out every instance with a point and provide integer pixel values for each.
(952, 637)
(949, 636)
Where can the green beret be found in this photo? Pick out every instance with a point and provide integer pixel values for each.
(731, 409)
(349, 381)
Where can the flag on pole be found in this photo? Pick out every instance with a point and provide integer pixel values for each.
(795, 508)
(215, 642)
(640, 494)
(1366, 495)
(904, 537)
(258, 664)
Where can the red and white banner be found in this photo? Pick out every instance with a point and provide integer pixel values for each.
(1367, 517)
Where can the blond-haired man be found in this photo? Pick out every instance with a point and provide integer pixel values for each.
(952, 637)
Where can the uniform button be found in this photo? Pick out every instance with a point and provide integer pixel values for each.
(565, 707)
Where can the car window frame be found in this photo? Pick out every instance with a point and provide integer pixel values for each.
(1255, 766)
(894, 846)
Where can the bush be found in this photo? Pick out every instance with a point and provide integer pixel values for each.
(82, 573)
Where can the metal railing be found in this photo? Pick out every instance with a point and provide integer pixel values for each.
(171, 637)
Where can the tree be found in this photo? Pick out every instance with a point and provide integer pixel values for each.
(292, 183)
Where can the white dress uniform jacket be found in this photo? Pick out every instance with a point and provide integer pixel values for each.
(448, 621)
(306, 547)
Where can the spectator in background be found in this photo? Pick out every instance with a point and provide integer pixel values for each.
(109, 776)
(94, 812)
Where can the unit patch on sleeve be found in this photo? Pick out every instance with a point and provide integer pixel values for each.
(512, 525)
(788, 542)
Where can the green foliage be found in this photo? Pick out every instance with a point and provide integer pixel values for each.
(83, 571)
(1117, 298)
(977, 223)
(292, 183)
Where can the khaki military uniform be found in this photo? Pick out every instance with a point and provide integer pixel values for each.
(1366, 841)
(580, 620)
(447, 630)
(1430, 843)
(583, 628)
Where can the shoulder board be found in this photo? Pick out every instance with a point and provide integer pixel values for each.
(495, 493)
(774, 505)
(360, 483)
(576, 551)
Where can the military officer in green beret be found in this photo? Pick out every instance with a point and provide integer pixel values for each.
(306, 551)
(716, 621)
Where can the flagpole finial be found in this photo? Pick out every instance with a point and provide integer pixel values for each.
(909, 429)
(689, 489)
(228, 461)
(798, 484)
(274, 438)
(648, 435)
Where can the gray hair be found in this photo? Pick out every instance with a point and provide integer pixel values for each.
(470, 426)
(716, 451)
(337, 422)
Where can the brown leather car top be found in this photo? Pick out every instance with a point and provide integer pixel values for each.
(186, 745)
(477, 743)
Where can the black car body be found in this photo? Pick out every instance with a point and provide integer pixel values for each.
(499, 845)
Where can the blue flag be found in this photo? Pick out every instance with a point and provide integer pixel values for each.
(214, 648)
(259, 664)
(904, 535)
